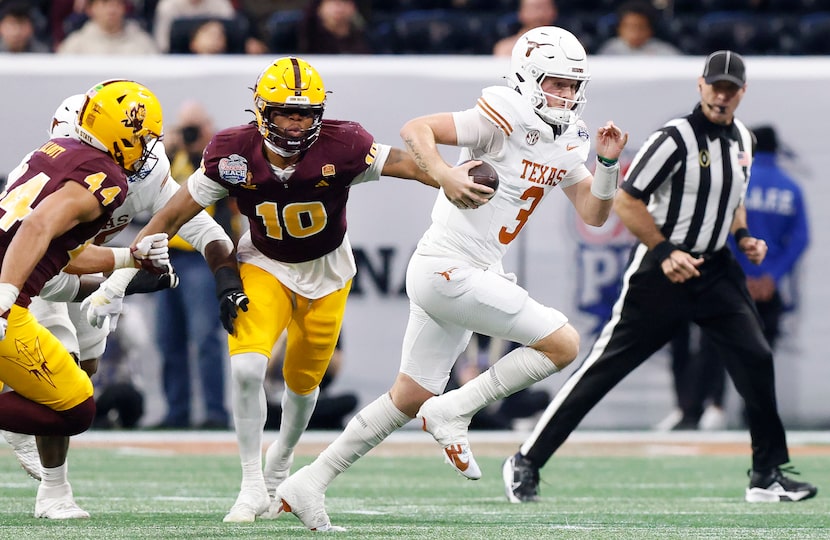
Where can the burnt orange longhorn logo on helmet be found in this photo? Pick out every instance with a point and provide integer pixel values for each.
(530, 46)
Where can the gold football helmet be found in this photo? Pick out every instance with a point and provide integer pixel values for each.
(123, 119)
(289, 85)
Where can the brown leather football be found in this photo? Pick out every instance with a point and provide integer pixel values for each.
(485, 175)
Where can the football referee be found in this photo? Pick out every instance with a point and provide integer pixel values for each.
(682, 196)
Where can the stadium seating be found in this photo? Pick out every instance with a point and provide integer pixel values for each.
(746, 33)
(814, 34)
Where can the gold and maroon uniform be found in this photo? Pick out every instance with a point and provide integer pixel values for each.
(296, 260)
(32, 361)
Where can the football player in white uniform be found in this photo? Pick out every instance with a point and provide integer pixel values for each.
(83, 328)
(531, 132)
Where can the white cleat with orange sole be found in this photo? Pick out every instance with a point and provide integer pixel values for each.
(304, 497)
(451, 432)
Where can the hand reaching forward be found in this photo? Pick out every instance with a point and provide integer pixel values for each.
(610, 141)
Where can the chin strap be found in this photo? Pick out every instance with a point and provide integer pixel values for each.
(280, 151)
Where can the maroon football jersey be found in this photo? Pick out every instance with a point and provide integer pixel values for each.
(46, 170)
(303, 218)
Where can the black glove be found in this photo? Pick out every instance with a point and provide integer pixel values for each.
(147, 282)
(231, 296)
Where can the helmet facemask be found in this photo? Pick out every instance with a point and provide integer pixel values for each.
(277, 136)
(148, 160)
(544, 52)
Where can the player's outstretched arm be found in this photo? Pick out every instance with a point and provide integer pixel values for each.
(421, 136)
(178, 211)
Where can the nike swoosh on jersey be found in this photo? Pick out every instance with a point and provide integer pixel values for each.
(571, 147)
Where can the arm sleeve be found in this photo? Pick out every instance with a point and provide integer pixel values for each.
(199, 231)
(475, 131)
(204, 190)
(61, 288)
(373, 172)
(656, 160)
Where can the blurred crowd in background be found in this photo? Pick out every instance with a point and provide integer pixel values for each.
(762, 27)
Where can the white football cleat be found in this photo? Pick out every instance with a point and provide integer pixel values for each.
(57, 503)
(251, 503)
(25, 450)
(304, 497)
(451, 432)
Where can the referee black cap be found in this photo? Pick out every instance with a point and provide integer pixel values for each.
(724, 66)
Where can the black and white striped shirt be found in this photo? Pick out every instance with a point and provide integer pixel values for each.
(693, 174)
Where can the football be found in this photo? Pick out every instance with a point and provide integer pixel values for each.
(485, 175)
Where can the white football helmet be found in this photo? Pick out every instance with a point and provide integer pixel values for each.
(549, 51)
(66, 117)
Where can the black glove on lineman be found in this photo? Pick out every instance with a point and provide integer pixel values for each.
(147, 282)
(231, 296)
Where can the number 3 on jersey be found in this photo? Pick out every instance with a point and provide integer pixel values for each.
(299, 220)
(534, 194)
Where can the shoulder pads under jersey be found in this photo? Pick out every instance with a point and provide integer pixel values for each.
(505, 108)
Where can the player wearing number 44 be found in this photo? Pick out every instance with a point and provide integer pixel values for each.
(59, 198)
(530, 131)
(290, 172)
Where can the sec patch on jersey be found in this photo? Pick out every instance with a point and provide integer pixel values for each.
(485, 175)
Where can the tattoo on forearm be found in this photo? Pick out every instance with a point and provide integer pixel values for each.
(416, 155)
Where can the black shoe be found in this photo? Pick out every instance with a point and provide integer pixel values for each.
(521, 479)
(773, 486)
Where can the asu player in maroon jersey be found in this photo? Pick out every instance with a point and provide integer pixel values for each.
(290, 172)
(59, 198)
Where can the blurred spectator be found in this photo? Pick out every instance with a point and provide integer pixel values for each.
(17, 30)
(119, 396)
(532, 14)
(108, 31)
(209, 38)
(169, 10)
(186, 320)
(65, 16)
(333, 27)
(775, 211)
(636, 26)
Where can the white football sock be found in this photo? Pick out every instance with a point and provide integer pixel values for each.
(296, 412)
(367, 429)
(516, 370)
(54, 476)
(249, 411)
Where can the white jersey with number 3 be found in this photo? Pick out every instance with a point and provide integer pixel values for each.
(506, 133)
